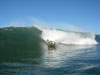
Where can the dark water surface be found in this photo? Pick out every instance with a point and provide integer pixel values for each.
(65, 60)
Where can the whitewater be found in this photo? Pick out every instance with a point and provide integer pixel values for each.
(68, 37)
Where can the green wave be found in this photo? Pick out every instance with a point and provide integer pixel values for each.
(20, 42)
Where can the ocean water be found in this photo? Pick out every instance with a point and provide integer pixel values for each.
(24, 51)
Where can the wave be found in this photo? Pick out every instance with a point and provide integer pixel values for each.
(20, 42)
(68, 37)
(25, 42)
(36, 33)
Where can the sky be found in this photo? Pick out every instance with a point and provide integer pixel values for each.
(73, 15)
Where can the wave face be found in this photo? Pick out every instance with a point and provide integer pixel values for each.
(66, 37)
(20, 42)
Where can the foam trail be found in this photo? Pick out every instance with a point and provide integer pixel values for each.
(67, 37)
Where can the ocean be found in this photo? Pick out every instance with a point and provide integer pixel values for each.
(24, 51)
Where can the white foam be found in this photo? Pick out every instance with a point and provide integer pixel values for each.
(68, 37)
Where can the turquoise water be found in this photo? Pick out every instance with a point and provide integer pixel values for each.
(20, 54)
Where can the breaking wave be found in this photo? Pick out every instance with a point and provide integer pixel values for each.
(25, 42)
(68, 37)
(35, 34)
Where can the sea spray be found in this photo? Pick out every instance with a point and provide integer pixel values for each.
(68, 37)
